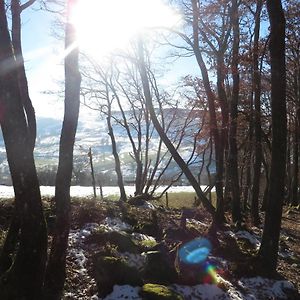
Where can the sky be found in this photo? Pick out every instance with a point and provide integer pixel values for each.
(42, 61)
(43, 52)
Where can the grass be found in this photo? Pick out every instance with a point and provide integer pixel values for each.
(183, 199)
(176, 200)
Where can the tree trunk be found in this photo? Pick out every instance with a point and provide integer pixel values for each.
(294, 189)
(180, 162)
(270, 239)
(90, 155)
(25, 277)
(117, 160)
(233, 152)
(222, 167)
(16, 9)
(213, 119)
(295, 182)
(257, 121)
(56, 273)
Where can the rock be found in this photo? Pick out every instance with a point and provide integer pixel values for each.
(122, 240)
(157, 292)
(110, 271)
(159, 269)
(136, 200)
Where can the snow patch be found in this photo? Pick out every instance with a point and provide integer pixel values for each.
(196, 223)
(142, 237)
(148, 205)
(263, 288)
(200, 291)
(76, 253)
(114, 224)
(87, 191)
(123, 292)
(243, 234)
(137, 261)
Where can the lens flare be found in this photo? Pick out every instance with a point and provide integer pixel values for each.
(195, 251)
(211, 274)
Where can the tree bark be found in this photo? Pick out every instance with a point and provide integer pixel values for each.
(16, 9)
(270, 239)
(117, 159)
(25, 277)
(295, 182)
(257, 120)
(56, 273)
(233, 152)
(90, 155)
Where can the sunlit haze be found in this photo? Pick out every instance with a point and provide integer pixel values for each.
(106, 25)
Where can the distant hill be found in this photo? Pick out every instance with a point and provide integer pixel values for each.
(90, 133)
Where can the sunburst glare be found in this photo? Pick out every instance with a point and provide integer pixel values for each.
(106, 25)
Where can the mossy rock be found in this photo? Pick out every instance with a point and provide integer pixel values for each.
(147, 244)
(121, 240)
(159, 269)
(111, 270)
(148, 228)
(151, 291)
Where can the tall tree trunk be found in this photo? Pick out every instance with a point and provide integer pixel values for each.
(295, 177)
(117, 159)
(257, 121)
(295, 182)
(180, 162)
(212, 112)
(56, 273)
(223, 139)
(233, 152)
(25, 277)
(90, 155)
(270, 239)
(16, 10)
(248, 153)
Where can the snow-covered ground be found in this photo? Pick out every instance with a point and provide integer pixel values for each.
(253, 288)
(86, 191)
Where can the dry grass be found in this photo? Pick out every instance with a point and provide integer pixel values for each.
(182, 200)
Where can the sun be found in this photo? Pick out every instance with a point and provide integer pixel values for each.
(107, 25)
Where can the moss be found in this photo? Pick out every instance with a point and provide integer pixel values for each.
(111, 270)
(122, 240)
(158, 268)
(147, 244)
(155, 292)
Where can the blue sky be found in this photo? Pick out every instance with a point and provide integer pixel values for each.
(42, 60)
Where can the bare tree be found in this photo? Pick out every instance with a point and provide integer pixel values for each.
(257, 118)
(16, 9)
(24, 279)
(166, 140)
(270, 239)
(56, 272)
(233, 152)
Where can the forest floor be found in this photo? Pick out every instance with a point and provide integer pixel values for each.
(122, 251)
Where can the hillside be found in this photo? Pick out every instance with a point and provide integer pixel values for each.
(94, 133)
